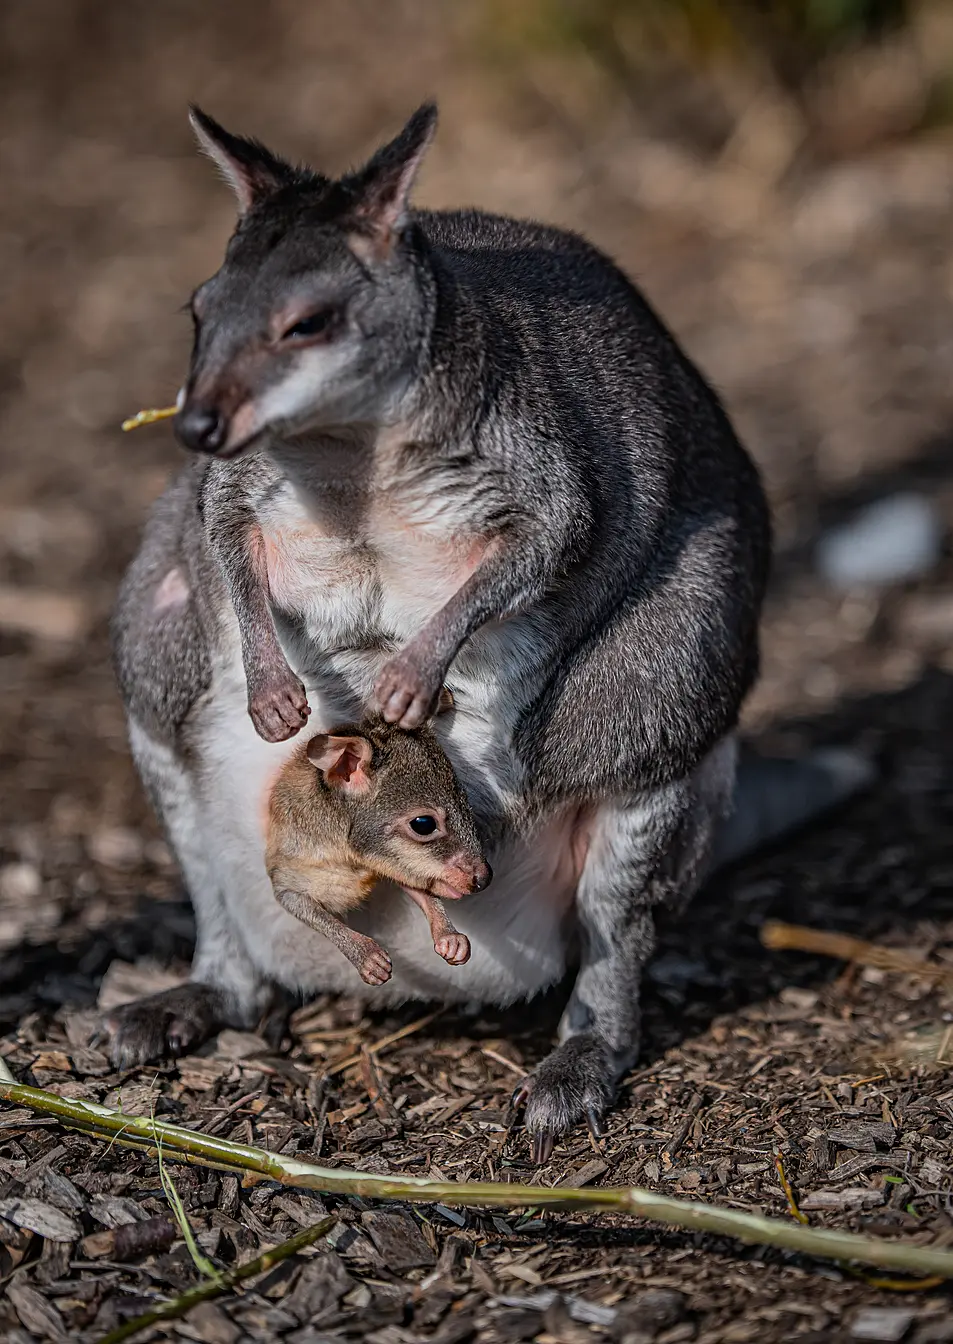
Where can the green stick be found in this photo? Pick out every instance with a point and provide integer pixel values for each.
(186, 1145)
(179, 1306)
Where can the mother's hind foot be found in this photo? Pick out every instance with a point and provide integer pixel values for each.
(165, 1025)
(576, 1082)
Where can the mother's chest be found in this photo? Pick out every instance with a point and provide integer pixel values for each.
(385, 564)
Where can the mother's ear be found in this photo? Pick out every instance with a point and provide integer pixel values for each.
(251, 170)
(343, 761)
(381, 189)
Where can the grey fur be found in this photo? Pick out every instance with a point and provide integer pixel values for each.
(473, 454)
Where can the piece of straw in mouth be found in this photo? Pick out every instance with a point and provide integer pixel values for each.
(148, 417)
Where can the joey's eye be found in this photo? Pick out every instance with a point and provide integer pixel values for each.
(318, 324)
(423, 825)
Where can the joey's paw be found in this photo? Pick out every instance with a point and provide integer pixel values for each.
(278, 707)
(453, 947)
(406, 692)
(163, 1025)
(375, 966)
(573, 1083)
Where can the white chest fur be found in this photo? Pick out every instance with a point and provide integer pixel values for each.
(371, 547)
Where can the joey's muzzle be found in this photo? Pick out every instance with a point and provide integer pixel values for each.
(203, 429)
(462, 876)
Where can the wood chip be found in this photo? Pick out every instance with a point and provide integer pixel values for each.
(385, 1041)
(212, 1325)
(124, 982)
(399, 1241)
(584, 1175)
(888, 1324)
(240, 1045)
(115, 1210)
(58, 1189)
(863, 1136)
(44, 1219)
(53, 1059)
(932, 1173)
(322, 1283)
(198, 1074)
(36, 1314)
(849, 1198)
(454, 1108)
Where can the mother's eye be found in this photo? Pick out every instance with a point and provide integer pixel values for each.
(424, 825)
(318, 324)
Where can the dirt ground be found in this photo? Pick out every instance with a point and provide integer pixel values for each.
(823, 310)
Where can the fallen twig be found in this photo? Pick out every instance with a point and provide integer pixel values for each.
(501, 1059)
(681, 1134)
(798, 938)
(375, 1047)
(793, 1209)
(186, 1145)
(376, 1091)
(177, 1307)
(898, 1285)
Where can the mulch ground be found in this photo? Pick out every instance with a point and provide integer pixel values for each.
(825, 315)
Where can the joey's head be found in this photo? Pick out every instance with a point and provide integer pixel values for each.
(408, 819)
(321, 309)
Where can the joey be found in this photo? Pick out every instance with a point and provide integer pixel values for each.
(363, 804)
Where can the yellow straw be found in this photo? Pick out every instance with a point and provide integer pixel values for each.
(148, 417)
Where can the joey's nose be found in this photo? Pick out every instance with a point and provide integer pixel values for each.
(462, 876)
(482, 876)
(201, 428)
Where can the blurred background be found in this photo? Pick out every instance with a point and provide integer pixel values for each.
(777, 176)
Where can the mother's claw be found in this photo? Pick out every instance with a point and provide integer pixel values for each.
(544, 1141)
(574, 1083)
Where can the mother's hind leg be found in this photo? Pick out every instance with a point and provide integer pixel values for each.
(645, 852)
(224, 987)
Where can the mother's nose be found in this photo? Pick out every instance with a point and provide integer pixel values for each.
(201, 428)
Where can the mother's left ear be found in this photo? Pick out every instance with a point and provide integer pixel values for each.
(381, 189)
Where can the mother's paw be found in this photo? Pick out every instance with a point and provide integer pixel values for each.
(407, 690)
(574, 1083)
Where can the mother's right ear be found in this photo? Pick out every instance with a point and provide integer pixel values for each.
(251, 170)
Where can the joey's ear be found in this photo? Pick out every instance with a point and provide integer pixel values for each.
(381, 189)
(343, 761)
(251, 170)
